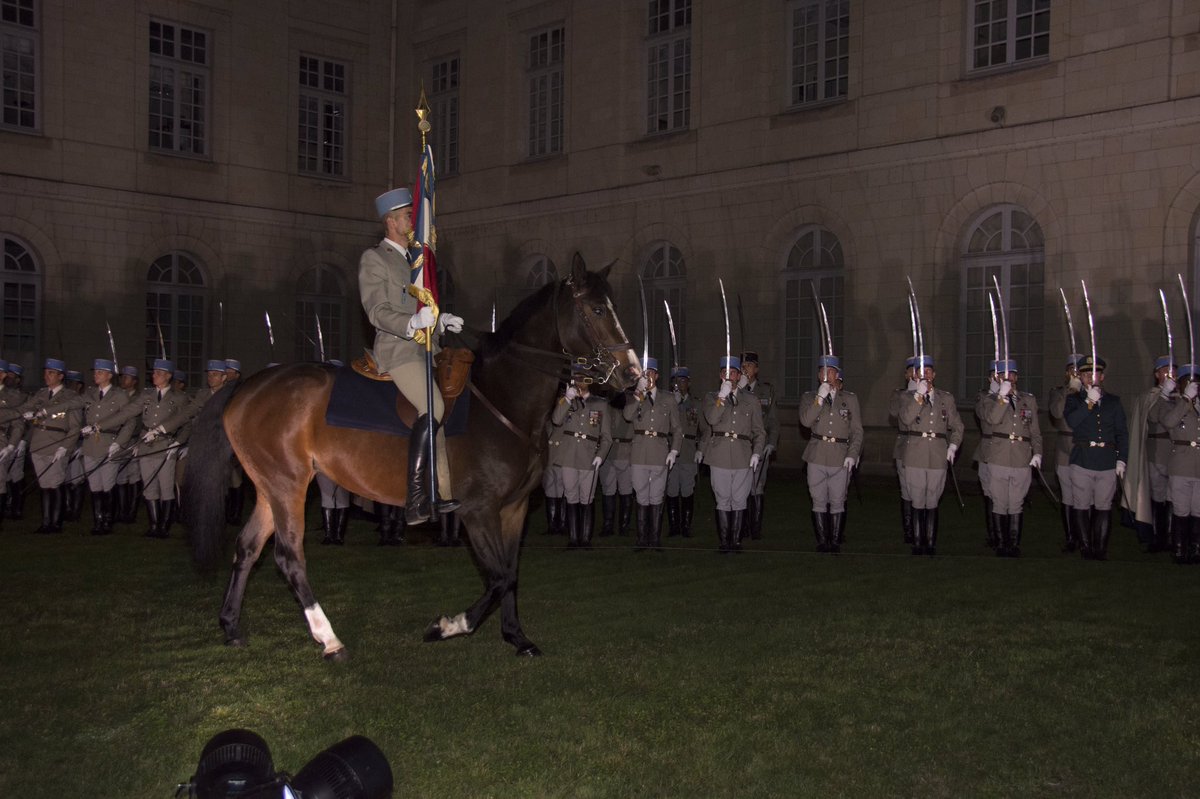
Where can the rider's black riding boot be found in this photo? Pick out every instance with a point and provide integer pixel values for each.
(449, 533)
(685, 515)
(98, 502)
(551, 504)
(608, 514)
(1070, 532)
(343, 518)
(1081, 520)
(397, 526)
(931, 531)
(1012, 544)
(992, 533)
(47, 525)
(722, 531)
(328, 524)
(737, 523)
(417, 507)
(1179, 539)
(643, 523)
(656, 517)
(626, 504)
(998, 532)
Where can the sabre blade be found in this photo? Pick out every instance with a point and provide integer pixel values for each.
(1070, 322)
(113, 347)
(645, 323)
(1187, 307)
(1091, 327)
(828, 331)
(1003, 319)
(671, 328)
(725, 308)
(920, 335)
(995, 330)
(912, 317)
(320, 338)
(1170, 338)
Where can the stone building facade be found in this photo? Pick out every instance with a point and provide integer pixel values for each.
(780, 146)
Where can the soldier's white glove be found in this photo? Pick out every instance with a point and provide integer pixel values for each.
(1120, 468)
(849, 464)
(420, 320)
(1005, 388)
(743, 381)
(767, 452)
(754, 463)
(451, 322)
(1036, 461)
(699, 456)
(643, 383)
(154, 433)
(113, 448)
(8, 449)
(993, 387)
(671, 456)
(87, 430)
(58, 453)
(1074, 384)
(912, 385)
(182, 453)
(571, 392)
(950, 452)
(27, 416)
(678, 396)
(596, 461)
(1093, 395)
(824, 391)
(922, 387)
(1191, 389)
(726, 389)
(1168, 386)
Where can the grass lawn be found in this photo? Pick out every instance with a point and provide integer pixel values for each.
(779, 672)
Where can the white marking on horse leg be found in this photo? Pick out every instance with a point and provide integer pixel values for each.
(321, 629)
(456, 626)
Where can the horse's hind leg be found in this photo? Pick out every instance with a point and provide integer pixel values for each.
(289, 556)
(249, 547)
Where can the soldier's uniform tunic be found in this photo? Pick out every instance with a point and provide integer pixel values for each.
(616, 480)
(582, 433)
(1100, 439)
(735, 433)
(172, 411)
(1181, 417)
(56, 423)
(1063, 440)
(12, 431)
(656, 432)
(1015, 437)
(681, 480)
(933, 425)
(98, 411)
(837, 434)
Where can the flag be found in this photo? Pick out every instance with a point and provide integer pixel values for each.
(424, 265)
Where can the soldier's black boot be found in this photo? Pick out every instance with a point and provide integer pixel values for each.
(328, 524)
(906, 521)
(16, 489)
(417, 507)
(749, 516)
(586, 520)
(551, 509)
(1179, 539)
(572, 519)
(998, 532)
(820, 531)
(343, 519)
(992, 535)
(1016, 522)
(931, 531)
(166, 517)
(837, 530)
(722, 518)
(918, 532)
(625, 508)
(1100, 530)
(398, 526)
(58, 508)
(656, 516)
(384, 525)
(643, 522)
(608, 512)
(756, 532)
(1070, 533)
(673, 528)
(686, 509)
(98, 513)
(737, 522)
(153, 508)
(1193, 539)
(47, 515)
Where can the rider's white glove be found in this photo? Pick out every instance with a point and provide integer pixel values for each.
(1191, 389)
(8, 449)
(596, 461)
(113, 448)
(1074, 384)
(699, 456)
(1168, 386)
(420, 320)
(571, 392)
(922, 387)
(451, 322)
(1005, 388)
(643, 384)
(743, 381)
(824, 391)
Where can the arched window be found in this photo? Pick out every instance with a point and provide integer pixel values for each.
(539, 270)
(815, 261)
(320, 295)
(175, 305)
(664, 275)
(1007, 242)
(22, 290)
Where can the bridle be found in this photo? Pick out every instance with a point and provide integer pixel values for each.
(602, 362)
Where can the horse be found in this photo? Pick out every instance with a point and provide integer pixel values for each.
(274, 423)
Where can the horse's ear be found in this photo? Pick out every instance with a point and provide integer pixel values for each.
(578, 270)
(607, 268)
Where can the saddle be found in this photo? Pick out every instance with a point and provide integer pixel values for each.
(451, 368)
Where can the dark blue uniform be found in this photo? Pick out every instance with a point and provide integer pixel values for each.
(1100, 439)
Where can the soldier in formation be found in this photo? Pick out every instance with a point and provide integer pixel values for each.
(833, 416)
(655, 428)
(103, 440)
(733, 450)
(55, 415)
(765, 394)
(681, 479)
(581, 440)
(1011, 417)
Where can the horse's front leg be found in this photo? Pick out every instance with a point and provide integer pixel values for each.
(289, 557)
(249, 547)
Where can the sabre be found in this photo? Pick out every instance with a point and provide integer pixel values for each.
(161, 344)
(828, 331)
(912, 317)
(995, 333)
(221, 323)
(320, 338)
(725, 308)
(645, 323)
(493, 317)
(1003, 320)
(1170, 338)
(920, 334)
(1187, 306)
(1070, 323)
(113, 347)
(270, 333)
(1091, 328)
(822, 322)
(674, 343)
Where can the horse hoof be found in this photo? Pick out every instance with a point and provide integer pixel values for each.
(236, 641)
(433, 632)
(337, 656)
(530, 650)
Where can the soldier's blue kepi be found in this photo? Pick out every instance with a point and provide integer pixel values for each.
(215, 365)
(162, 364)
(1187, 371)
(651, 363)
(1073, 360)
(750, 356)
(3, 365)
(923, 362)
(1004, 367)
(1086, 365)
(129, 370)
(910, 362)
(179, 376)
(234, 364)
(1163, 361)
(55, 364)
(391, 200)
(831, 361)
(680, 371)
(16, 368)
(74, 376)
(732, 362)
(104, 364)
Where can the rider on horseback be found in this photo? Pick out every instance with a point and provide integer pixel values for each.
(384, 274)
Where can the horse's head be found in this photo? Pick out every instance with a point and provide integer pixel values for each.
(590, 330)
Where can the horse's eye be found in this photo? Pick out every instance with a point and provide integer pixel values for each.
(599, 310)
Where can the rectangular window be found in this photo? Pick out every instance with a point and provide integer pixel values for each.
(19, 43)
(802, 338)
(669, 66)
(820, 52)
(180, 60)
(443, 105)
(321, 128)
(1007, 32)
(546, 58)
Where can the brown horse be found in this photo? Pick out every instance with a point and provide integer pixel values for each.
(275, 424)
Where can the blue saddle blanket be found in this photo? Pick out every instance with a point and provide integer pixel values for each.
(364, 404)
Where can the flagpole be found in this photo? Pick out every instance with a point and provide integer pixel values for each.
(423, 125)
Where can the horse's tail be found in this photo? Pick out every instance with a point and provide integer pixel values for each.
(206, 479)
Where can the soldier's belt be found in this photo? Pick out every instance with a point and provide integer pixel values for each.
(623, 440)
(733, 435)
(1159, 435)
(833, 440)
(54, 429)
(920, 434)
(1193, 443)
(1097, 443)
(651, 433)
(689, 437)
(1009, 436)
(580, 435)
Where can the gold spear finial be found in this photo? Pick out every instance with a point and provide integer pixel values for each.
(423, 111)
